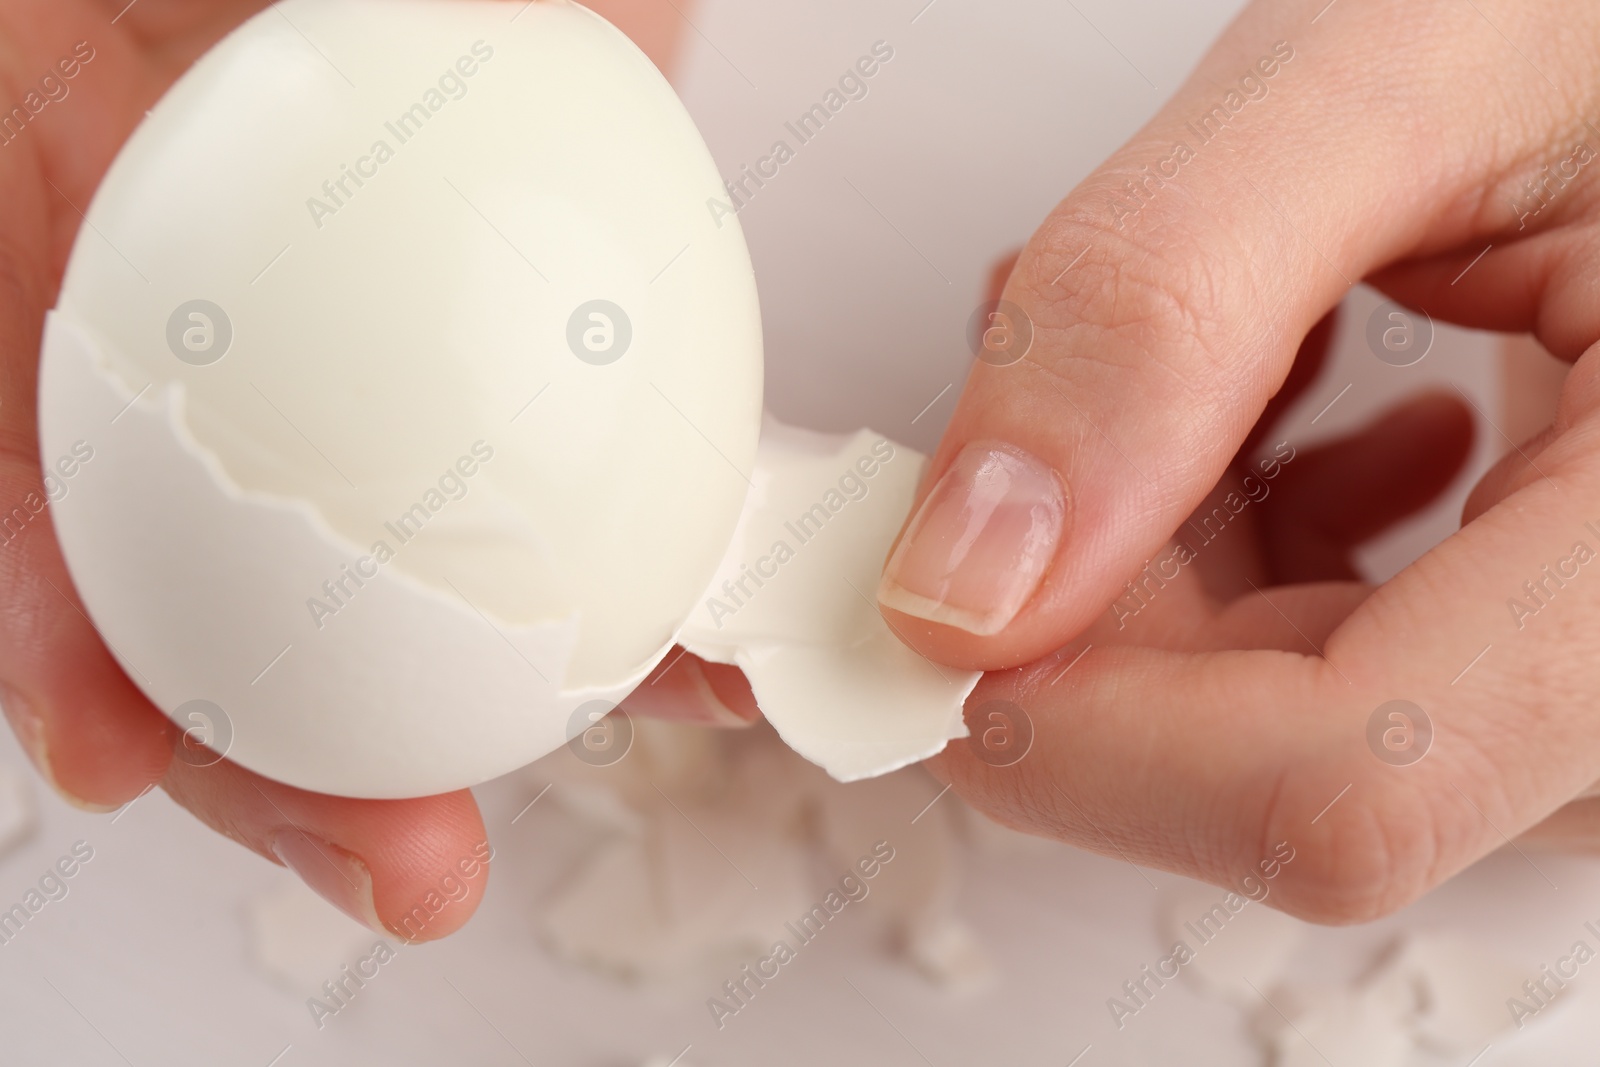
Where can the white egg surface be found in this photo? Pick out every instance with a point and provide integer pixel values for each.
(421, 385)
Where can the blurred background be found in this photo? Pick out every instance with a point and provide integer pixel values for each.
(612, 919)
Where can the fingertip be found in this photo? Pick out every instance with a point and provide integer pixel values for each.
(415, 869)
(430, 866)
(977, 549)
(335, 874)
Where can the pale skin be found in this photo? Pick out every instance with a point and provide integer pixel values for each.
(1233, 709)
(1212, 726)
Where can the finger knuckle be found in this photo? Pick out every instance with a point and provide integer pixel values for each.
(1364, 858)
(1135, 302)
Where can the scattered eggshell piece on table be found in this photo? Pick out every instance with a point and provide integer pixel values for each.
(1247, 947)
(668, 900)
(1350, 1028)
(1462, 991)
(19, 811)
(1430, 994)
(300, 940)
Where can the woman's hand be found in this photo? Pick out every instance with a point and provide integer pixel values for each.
(1237, 695)
(414, 868)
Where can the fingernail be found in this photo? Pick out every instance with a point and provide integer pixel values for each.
(980, 544)
(339, 877)
(28, 725)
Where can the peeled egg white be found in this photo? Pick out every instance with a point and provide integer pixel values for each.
(411, 379)
(421, 385)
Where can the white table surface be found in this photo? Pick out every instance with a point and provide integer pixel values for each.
(987, 115)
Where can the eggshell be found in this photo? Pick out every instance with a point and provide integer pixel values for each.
(410, 380)
(1247, 949)
(792, 603)
(300, 940)
(19, 811)
(1349, 1028)
(669, 899)
(339, 291)
(699, 877)
(407, 692)
(1461, 989)
(1432, 994)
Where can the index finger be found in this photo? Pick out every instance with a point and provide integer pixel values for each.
(1164, 301)
(1449, 713)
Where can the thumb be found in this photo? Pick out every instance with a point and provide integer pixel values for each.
(1150, 320)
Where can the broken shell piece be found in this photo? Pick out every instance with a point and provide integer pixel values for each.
(607, 917)
(916, 892)
(951, 955)
(1431, 991)
(678, 894)
(658, 758)
(600, 807)
(671, 899)
(19, 814)
(689, 764)
(1235, 941)
(1461, 991)
(1352, 1028)
(300, 940)
(792, 605)
(1284, 1002)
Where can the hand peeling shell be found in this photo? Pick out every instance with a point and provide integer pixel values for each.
(423, 395)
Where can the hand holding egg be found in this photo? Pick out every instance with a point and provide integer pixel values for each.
(329, 527)
(86, 724)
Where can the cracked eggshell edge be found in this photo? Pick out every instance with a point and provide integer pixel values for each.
(828, 673)
(233, 629)
(331, 709)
